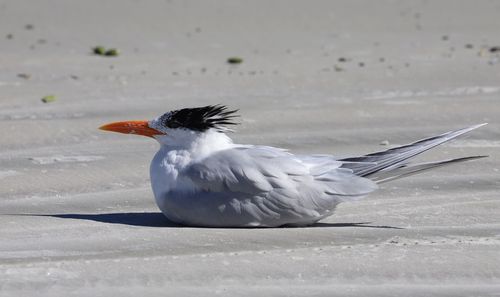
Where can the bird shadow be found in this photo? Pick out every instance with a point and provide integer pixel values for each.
(361, 225)
(140, 219)
(158, 220)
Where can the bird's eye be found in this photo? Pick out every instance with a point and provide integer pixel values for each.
(173, 124)
(168, 121)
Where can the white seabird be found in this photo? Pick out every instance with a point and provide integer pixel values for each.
(201, 178)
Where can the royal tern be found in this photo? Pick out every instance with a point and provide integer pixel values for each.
(201, 178)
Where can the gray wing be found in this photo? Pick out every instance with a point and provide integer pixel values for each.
(245, 170)
(277, 182)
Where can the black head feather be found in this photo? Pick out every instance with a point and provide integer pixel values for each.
(200, 118)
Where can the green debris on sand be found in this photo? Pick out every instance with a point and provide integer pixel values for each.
(235, 60)
(99, 50)
(49, 99)
(102, 51)
(112, 52)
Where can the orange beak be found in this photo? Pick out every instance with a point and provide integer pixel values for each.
(132, 127)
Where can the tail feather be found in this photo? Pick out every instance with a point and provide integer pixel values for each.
(395, 158)
(384, 176)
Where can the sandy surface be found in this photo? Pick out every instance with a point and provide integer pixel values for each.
(77, 216)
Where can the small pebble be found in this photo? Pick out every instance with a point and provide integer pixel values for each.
(24, 75)
(482, 52)
(445, 37)
(29, 27)
(235, 60)
(9, 36)
(494, 49)
(469, 46)
(384, 142)
(342, 60)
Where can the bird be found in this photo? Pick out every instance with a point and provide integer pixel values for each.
(200, 177)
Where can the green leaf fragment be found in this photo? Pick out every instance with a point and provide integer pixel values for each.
(112, 52)
(49, 99)
(99, 50)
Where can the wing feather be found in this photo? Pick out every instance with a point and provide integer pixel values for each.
(262, 170)
(263, 186)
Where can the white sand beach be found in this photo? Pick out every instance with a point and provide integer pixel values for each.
(77, 215)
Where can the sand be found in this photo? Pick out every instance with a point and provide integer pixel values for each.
(77, 215)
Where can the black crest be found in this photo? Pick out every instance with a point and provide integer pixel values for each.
(200, 118)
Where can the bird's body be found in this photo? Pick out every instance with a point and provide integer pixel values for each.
(201, 178)
(200, 183)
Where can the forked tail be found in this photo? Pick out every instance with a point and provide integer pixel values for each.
(393, 163)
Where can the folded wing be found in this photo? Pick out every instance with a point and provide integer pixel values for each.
(279, 182)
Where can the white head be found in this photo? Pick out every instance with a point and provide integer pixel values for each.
(182, 127)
